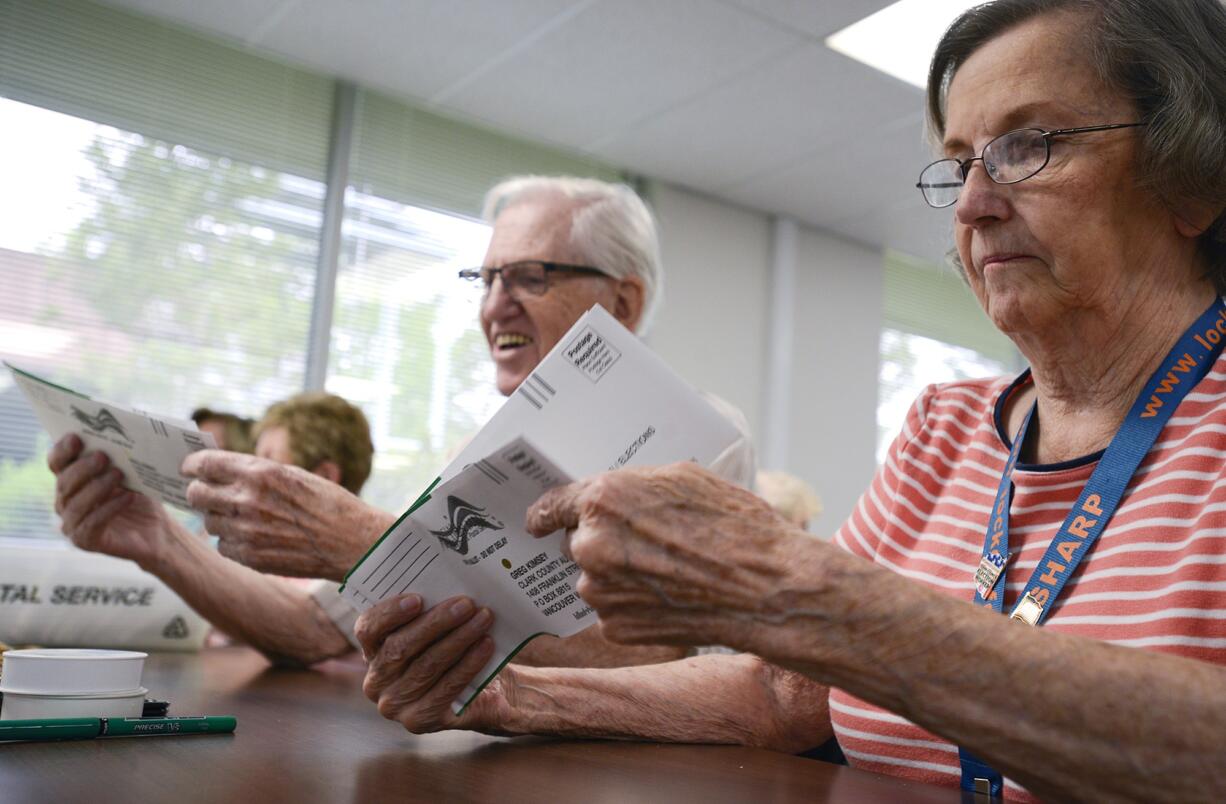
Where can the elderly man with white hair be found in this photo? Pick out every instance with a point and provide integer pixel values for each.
(559, 246)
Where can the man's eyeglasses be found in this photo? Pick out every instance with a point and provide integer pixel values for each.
(1012, 157)
(529, 276)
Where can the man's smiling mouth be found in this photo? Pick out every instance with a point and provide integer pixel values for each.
(507, 341)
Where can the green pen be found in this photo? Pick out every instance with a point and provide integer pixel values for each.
(85, 728)
(70, 728)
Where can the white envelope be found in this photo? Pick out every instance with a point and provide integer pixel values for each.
(600, 400)
(147, 449)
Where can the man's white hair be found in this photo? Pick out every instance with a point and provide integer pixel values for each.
(610, 227)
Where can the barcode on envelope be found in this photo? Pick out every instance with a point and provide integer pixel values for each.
(536, 390)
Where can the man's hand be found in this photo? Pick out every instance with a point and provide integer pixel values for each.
(97, 513)
(420, 662)
(280, 519)
(671, 555)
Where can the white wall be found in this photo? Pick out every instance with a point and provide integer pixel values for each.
(714, 330)
(712, 325)
(835, 352)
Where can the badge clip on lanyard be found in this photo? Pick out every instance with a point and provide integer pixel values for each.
(1186, 364)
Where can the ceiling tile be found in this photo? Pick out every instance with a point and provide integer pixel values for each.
(865, 168)
(848, 186)
(797, 104)
(617, 63)
(411, 48)
(816, 19)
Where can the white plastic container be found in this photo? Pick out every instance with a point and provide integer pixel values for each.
(30, 706)
(71, 671)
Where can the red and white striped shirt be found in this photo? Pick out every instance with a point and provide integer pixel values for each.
(1156, 579)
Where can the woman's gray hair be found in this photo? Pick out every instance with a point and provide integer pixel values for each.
(610, 227)
(1167, 56)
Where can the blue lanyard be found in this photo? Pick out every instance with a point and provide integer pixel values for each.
(1186, 364)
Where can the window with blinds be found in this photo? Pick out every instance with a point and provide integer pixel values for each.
(161, 209)
(933, 330)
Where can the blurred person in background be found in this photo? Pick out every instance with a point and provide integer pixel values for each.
(790, 496)
(319, 432)
(230, 431)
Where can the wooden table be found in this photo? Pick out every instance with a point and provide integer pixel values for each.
(310, 735)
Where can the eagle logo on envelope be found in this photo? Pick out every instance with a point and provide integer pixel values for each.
(467, 521)
(105, 420)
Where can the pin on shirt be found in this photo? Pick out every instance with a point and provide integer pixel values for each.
(991, 567)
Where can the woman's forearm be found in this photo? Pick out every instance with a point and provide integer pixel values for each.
(589, 649)
(739, 700)
(1063, 715)
(278, 619)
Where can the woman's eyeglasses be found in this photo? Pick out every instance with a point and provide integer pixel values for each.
(1012, 157)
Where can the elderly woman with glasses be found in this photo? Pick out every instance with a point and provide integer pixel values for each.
(559, 246)
(1030, 598)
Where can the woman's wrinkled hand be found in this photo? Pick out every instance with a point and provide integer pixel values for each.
(419, 662)
(280, 519)
(671, 554)
(97, 512)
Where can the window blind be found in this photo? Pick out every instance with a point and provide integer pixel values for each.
(142, 75)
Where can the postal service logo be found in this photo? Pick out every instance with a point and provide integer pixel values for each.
(103, 421)
(465, 522)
